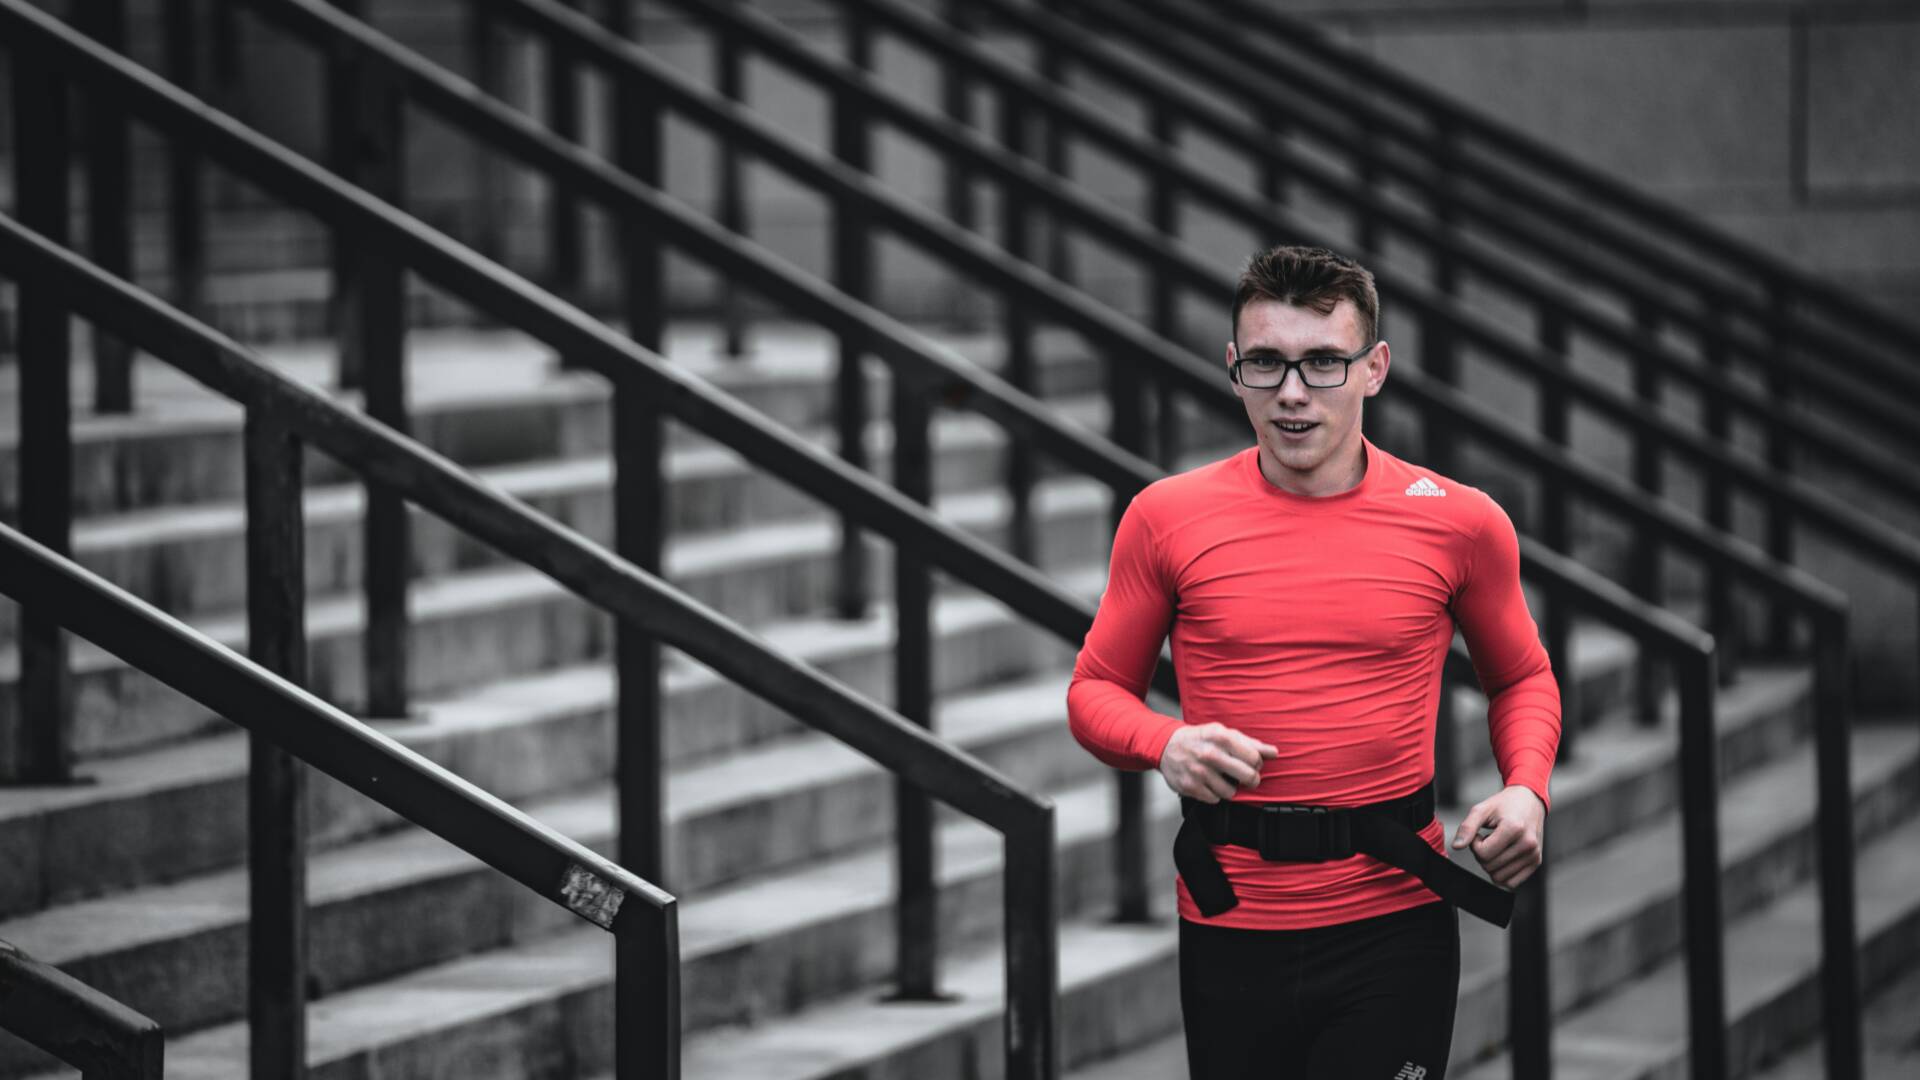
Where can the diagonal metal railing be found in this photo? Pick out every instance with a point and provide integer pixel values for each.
(1792, 587)
(644, 385)
(1799, 594)
(291, 414)
(1517, 166)
(1445, 406)
(65, 1017)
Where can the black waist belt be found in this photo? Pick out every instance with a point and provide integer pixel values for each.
(1388, 831)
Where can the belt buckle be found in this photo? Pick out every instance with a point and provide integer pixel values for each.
(1331, 836)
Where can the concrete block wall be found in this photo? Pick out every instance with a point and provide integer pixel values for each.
(1788, 122)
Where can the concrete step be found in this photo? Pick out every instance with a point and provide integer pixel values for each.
(518, 738)
(761, 948)
(1639, 1030)
(855, 1038)
(776, 808)
(187, 559)
(1892, 1037)
(478, 625)
(529, 736)
(480, 397)
(1592, 783)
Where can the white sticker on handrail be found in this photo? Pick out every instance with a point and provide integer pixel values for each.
(591, 897)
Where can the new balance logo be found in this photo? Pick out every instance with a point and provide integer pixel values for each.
(1424, 486)
(1410, 1071)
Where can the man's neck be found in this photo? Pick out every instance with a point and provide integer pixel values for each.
(1341, 472)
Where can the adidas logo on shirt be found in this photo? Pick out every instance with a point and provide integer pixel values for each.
(1424, 486)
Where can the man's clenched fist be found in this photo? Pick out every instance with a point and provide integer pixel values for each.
(1210, 762)
(1512, 851)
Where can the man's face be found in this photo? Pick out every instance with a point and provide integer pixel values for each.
(1331, 416)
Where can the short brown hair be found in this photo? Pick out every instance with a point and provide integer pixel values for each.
(1309, 277)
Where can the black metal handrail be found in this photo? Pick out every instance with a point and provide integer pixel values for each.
(922, 374)
(646, 385)
(1175, 36)
(630, 594)
(1653, 298)
(1790, 498)
(1798, 592)
(1655, 216)
(1216, 385)
(81, 1026)
(1793, 588)
(1705, 956)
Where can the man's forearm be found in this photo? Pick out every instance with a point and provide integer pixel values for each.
(1115, 725)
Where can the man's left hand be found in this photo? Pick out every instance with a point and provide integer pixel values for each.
(1511, 852)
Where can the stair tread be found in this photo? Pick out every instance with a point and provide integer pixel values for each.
(59, 934)
(495, 981)
(1641, 1025)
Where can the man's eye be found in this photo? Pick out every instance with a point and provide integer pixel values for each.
(1323, 363)
(1263, 363)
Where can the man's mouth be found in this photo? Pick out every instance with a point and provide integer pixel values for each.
(1296, 427)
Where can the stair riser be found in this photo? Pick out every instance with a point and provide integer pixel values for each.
(99, 847)
(1083, 885)
(202, 981)
(120, 710)
(1588, 968)
(1647, 795)
(1794, 1017)
(200, 574)
(142, 464)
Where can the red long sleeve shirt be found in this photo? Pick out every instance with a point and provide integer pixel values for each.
(1318, 625)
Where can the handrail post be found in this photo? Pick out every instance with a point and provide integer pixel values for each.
(276, 781)
(917, 918)
(1016, 237)
(109, 235)
(1700, 858)
(370, 292)
(1555, 523)
(1029, 898)
(1053, 136)
(1833, 818)
(853, 275)
(1273, 175)
(1643, 565)
(483, 44)
(1782, 383)
(646, 994)
(957, 103)
(1530, 980)
(646, 963)
(1722, 619)
(730, 81)
(1163, 211)
(39, 747)
(186, 249)
(563, 218)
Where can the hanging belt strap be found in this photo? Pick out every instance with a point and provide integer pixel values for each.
(1280, 832)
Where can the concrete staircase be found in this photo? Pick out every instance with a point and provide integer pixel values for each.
(425, 963)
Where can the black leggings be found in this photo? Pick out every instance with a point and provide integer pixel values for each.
(1371, 999)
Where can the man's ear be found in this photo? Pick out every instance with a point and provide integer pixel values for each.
(1377, 364)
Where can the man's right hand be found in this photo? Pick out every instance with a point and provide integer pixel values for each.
(1210, 762)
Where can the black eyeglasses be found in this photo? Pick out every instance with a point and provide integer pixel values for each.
(1265, 371)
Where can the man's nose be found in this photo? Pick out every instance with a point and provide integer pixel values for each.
(1293, 386)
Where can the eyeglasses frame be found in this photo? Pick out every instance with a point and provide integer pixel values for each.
(1292, 366)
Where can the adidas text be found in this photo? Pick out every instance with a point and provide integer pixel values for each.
(1424, 486)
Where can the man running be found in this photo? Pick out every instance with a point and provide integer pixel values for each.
(1312, 584)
